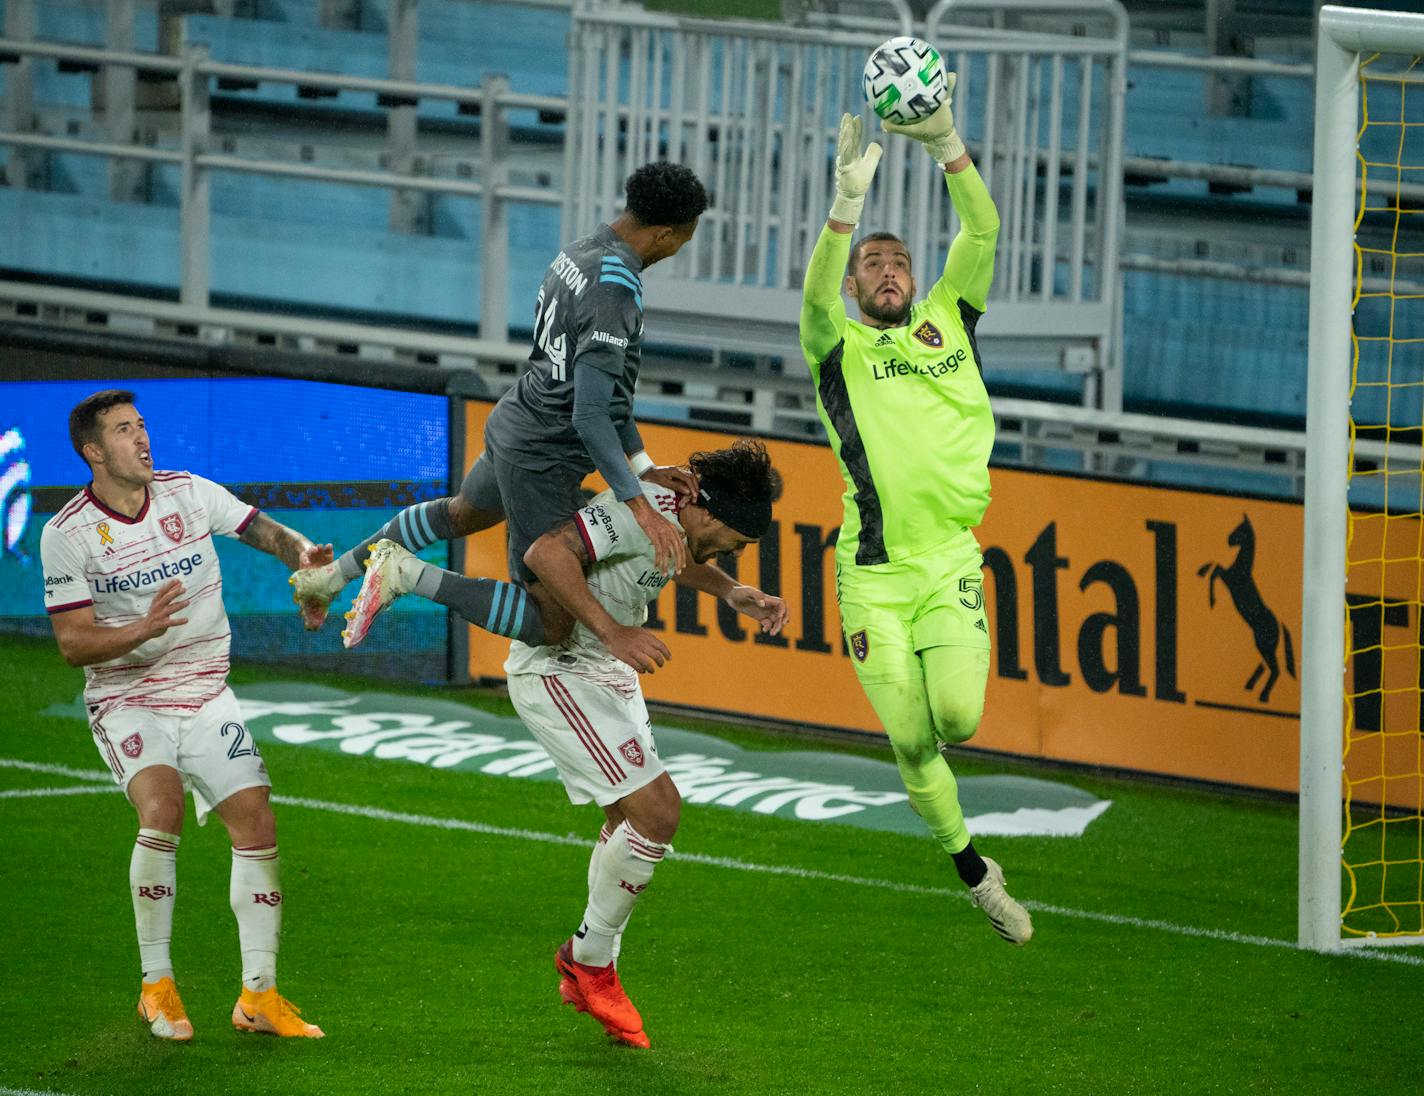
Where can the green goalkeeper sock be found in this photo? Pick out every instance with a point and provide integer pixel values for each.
(904, 711)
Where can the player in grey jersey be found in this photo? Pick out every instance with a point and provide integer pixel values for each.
(570, 413)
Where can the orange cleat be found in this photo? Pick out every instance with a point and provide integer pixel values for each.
(269, 1013)
(162, 1010)
(598, 992)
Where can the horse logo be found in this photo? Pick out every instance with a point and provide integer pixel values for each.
(1266, 628)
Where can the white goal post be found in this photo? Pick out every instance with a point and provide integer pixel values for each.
(1345, 34)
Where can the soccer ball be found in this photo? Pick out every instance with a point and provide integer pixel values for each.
(904, 80)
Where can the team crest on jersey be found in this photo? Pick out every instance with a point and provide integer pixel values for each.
(929, 334)
(133, 745)
(633, 752)
(172, 526)
(860, 645)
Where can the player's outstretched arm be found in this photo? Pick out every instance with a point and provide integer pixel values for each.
(768, 611)
(969, 268)
(285, 543)
(84, 642)
(822, 310)
(558, 559)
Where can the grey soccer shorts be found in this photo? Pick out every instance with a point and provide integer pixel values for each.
(533, 503)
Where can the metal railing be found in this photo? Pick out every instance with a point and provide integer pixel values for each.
(753, 110)
(193, 72)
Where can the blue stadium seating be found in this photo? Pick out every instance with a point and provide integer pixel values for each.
(1191, 343)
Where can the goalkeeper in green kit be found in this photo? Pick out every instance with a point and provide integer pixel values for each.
(904, 405)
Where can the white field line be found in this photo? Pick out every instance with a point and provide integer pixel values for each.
(380, 814)
(28, 1092)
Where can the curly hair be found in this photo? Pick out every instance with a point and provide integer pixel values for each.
(738, 485)
(665, 194)
(84, 418)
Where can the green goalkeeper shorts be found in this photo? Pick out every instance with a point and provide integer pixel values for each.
(892, 611)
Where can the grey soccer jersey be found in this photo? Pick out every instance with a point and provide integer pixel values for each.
(589, 316)
(622, 575)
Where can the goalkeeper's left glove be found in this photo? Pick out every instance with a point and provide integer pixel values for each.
(854, 171)
(937, 132)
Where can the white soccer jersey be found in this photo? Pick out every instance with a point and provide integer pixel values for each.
(94, 556)
(623, 577)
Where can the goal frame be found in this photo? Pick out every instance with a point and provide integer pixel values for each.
(1343, 35)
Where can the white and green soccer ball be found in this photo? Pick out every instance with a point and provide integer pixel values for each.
(904, 80)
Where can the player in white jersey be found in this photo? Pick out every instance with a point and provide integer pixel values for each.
(582, 700)
(581, 697)
(134, 594)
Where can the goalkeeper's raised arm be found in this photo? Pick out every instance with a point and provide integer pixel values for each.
(822, 310)
(969, 267)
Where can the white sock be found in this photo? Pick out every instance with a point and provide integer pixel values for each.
(624, 869)
(256, 896)
(593, 862)
(153, 884)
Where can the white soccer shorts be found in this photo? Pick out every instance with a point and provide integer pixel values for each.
(211, 748)
(599, 737)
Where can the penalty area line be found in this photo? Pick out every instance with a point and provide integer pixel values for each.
(381, 814)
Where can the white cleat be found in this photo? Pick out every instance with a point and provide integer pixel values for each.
(315, 587)
(390, 572)
(1010, 920)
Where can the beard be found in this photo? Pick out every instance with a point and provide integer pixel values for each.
(893, 315)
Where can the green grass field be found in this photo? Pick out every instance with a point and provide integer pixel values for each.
(426, 953)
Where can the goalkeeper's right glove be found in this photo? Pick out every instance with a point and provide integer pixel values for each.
(854, 171)
(937, 132)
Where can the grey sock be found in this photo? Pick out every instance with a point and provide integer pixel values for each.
(414, 528)
(499, 607)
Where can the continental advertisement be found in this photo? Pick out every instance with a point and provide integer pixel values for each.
(1135, 627)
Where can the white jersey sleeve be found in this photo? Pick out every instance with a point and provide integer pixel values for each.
(228, 515)
(610, 531)
(66, 586)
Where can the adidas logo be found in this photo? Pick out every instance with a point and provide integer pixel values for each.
(884, 340)
(980, 625)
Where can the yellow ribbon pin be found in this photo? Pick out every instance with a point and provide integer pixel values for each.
(103, 530)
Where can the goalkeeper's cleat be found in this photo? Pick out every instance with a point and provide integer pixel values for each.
(390, 572)
(314, 589)
(598, 992)
(269, 1013)
(162, 1010)
(1010, 920)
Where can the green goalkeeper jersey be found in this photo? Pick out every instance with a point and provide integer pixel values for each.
(905, 408)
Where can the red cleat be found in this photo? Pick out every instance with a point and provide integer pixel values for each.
(598, 992)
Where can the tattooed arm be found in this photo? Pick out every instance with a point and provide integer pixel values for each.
(286, 544)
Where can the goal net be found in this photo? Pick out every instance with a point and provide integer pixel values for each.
(1362, 718)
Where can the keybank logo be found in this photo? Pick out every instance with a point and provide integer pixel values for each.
(137, 580)
(14, 494)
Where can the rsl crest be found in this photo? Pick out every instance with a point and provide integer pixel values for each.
(860, 645)
(133, 745)
(930, 335)
(172, 526)
(632, 752)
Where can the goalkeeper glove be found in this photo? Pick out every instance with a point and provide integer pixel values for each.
(937, 132)
(854, 171)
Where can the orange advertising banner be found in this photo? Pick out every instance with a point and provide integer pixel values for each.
(1136, 627)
